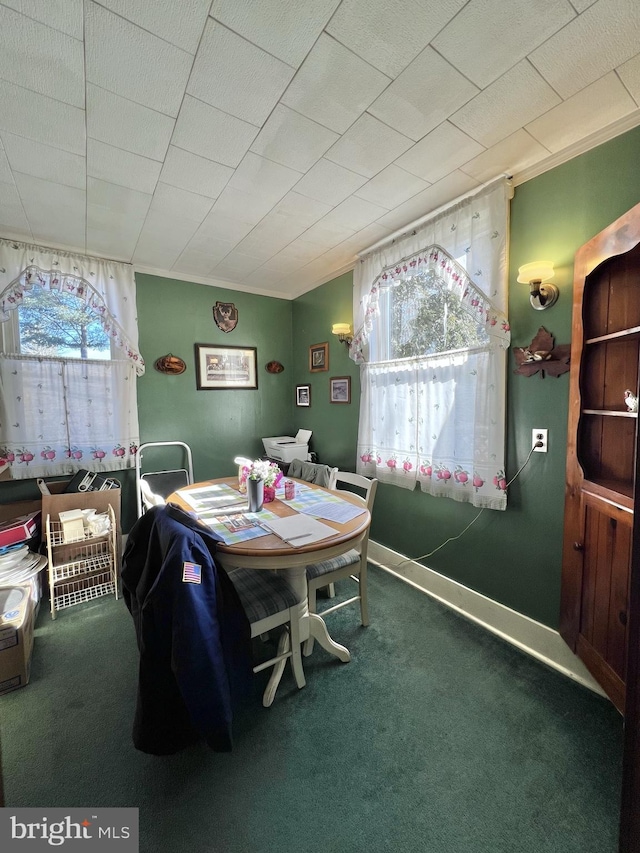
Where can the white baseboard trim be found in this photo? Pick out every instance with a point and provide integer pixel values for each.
(532, 637)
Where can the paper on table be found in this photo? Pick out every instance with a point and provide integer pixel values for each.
(217, 499)
(299, 530)
(334, 511)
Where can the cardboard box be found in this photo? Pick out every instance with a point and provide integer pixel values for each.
(19, 529)
(54, 504)
(16, 637)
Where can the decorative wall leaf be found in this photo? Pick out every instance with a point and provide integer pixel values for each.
(542, 356)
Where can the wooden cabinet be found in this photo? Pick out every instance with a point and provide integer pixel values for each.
(601, 452)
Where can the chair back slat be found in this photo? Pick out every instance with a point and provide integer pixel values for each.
(368, 487)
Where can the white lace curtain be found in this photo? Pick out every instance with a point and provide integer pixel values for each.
(56, 414)
(439, 420)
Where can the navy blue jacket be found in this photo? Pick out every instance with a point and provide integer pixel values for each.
(193, 637)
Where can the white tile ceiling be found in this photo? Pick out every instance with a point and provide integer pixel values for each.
(261, 145)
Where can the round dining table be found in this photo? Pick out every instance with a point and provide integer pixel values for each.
(272, 553)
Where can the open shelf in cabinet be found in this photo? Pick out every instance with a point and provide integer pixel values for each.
(609, 368)
(615, 492)
(610, 304)
(606, 450)
(610, 413)
(623, 334)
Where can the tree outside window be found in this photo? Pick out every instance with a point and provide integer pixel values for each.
(52, 323)
(425, 318)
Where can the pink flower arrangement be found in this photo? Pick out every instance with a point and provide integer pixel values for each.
(262, 469)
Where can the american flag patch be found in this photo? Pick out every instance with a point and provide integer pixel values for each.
(191, 573)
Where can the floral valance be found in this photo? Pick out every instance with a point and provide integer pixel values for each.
(452, 275)
(106, 287)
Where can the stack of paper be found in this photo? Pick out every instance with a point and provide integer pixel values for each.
(299, 530)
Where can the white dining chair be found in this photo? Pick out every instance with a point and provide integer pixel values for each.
(269, 602)
(352, 565)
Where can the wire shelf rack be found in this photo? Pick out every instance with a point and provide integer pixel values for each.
(80, 568)
(86, 589)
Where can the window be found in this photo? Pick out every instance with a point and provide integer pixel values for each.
(423, 318)
(431, 340)
(51, 323)
(69, 363)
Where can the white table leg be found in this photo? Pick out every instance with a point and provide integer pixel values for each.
(318, 630)
(277, 671)
(312, 625)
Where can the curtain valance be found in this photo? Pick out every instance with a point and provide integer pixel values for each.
(432, 259)
(474, 229)
(107, 287)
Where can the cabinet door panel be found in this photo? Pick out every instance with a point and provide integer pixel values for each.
(607, 555)
(619, 607)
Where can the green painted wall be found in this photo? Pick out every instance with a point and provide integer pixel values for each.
(514, 556)
(217, 425)
(334, 425)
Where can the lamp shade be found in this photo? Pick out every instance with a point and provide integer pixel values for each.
(341, 329)
(536, 271)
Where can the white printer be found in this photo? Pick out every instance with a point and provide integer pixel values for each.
(286, 448)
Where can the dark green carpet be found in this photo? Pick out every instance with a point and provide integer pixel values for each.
(436, 737)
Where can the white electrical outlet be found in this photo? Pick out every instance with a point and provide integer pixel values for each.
(539, 437)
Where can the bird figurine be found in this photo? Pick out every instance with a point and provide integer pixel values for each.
(631, 401)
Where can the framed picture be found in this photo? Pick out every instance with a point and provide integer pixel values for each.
(303, 395)
(340, 389)
(225, 367)
(318, 357)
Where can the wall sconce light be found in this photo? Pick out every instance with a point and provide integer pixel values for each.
(542, 295)
(343, 331)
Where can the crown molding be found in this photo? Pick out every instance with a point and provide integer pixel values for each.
(212, 282)
(605, 134)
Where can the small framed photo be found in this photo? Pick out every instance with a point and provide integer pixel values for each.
(303, 395)
(340, 389)
(318, 357)
(225, 367)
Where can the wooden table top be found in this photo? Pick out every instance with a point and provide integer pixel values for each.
(272, 545)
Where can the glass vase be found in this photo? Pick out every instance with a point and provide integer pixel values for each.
(269, 494)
